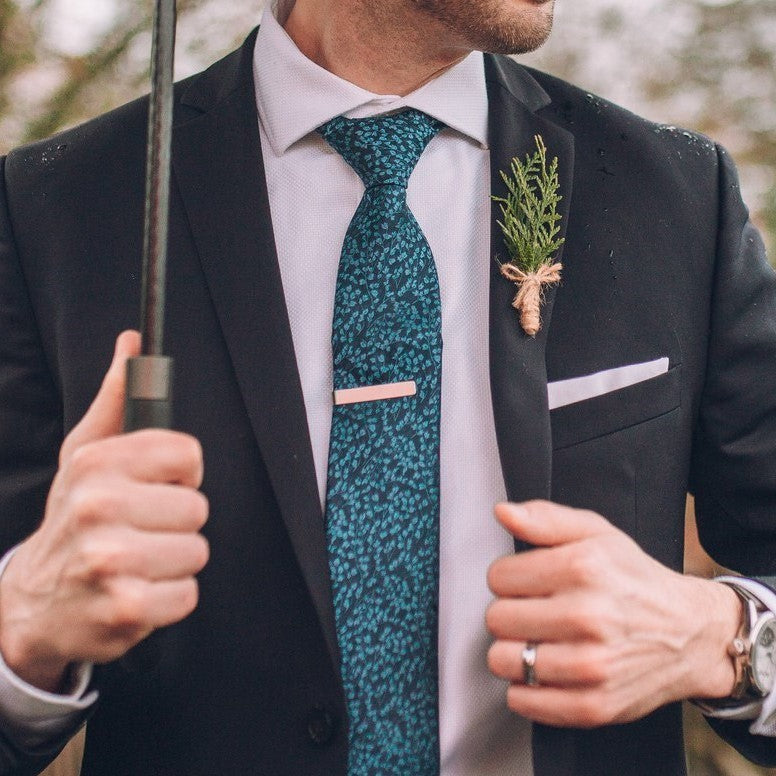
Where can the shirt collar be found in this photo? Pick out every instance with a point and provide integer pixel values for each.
(295, 96)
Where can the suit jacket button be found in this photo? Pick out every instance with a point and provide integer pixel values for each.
(320, 725)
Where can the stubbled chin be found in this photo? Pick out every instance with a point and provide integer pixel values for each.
(496, 26)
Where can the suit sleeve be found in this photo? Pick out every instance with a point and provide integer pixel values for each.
(733, 474)
(30, 437)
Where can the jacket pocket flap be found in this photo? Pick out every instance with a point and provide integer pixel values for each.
(617, 409)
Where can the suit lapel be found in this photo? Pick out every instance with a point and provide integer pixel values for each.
(517, 367)
(518, 373)
(218, 167)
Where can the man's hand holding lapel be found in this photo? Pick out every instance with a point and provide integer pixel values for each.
(116, 553)
(619, 634)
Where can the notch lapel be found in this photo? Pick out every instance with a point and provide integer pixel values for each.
(517, 367)
(218, 167)
(518, 373)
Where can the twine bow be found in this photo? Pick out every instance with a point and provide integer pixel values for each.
(530, 292)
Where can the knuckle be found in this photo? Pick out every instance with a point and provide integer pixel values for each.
(201, 553)
(489, 618)
(495, 659)
(91, 505)
(502, 661)
(99, 559)
(199, 509)
(588, 619)
(588, 710)
(604, 525)
(593, 669)
(66, 450)
(577, 618)
(189, 597)
(494, 618)
(584, 567)
(80, 507)
(595, 709)
(539, 507)
(190, 452)
(146, 438)
(84, 460)
(128, 605)
(495, 574)
(514, 700)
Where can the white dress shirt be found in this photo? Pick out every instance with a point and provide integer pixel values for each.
(313, 195)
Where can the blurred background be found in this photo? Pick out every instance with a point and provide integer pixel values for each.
(708, 65)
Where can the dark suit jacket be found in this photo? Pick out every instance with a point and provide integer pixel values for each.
(659, 261)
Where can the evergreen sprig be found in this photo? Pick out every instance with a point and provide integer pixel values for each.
(530, 210)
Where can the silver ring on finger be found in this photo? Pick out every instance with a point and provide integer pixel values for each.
(529, 664)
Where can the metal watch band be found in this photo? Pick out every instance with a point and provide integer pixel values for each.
(740, 646)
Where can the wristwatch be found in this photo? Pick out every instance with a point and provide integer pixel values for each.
(753, 652)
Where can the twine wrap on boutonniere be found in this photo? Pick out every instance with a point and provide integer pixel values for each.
(531, 227)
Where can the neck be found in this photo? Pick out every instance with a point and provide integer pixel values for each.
(373, 44)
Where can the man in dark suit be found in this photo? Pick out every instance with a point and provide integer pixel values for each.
(662, 271)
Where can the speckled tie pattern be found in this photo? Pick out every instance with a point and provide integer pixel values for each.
(382, 504)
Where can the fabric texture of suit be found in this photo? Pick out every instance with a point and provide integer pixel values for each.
(660, 260)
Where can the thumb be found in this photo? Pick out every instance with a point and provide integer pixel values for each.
(105, 415)
(545, 524)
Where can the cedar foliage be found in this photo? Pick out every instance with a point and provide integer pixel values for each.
(530, 210)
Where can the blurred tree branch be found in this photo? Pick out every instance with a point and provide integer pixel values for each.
(704, 64)
(46, 86)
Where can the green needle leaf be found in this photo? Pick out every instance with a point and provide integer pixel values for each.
(530, 218)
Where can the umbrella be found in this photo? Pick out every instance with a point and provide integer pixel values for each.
(149, 375)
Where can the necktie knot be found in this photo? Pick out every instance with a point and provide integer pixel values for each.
(383, 150)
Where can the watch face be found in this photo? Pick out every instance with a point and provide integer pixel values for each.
(764, 654)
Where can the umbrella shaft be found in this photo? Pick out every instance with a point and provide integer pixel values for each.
(157, 204)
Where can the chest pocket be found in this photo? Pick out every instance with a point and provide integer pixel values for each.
(616, 410)
(602, 446)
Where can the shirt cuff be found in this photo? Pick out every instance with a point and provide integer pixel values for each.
(33, 715)
(762, 712)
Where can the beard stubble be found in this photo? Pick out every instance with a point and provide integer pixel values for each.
(495, 26)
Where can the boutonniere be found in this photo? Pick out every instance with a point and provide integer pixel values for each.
(531, 226)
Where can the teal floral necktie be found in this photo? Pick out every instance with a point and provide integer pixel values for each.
(382, 504)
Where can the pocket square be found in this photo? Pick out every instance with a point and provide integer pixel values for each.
(563, 392)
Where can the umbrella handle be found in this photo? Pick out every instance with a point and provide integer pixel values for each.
(148, 405)
(149, 393)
